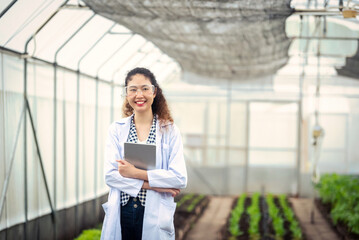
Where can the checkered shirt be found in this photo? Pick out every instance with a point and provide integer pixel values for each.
(132, 138)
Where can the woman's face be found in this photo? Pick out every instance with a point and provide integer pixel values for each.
(140, 93)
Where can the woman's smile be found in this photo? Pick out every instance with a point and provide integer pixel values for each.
(140, 103)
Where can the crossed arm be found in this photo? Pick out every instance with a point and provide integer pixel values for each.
(128, 170)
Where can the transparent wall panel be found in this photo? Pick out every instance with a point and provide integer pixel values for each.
(272, 149)
(61, 163)
(11, 87)
(87, 138)
(335, 127)
(273, 125)
(61, 168)
(117, 103)
(215, 121)
(235, 185)
(353, 136)
(15, 198)
(237, 157)
(69, 82)
(104, 121)
(282, 158)
(238, 124)
(272, 180)
(191, 127)
(193, 156)
(3, 150)
(205, 179)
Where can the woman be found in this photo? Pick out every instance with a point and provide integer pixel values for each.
(140, 203)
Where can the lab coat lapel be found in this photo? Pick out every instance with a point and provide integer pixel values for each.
(158, 146)
(123, 133)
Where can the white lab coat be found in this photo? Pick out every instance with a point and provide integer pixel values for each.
(170, 172)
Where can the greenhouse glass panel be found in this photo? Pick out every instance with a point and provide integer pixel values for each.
(25, 18)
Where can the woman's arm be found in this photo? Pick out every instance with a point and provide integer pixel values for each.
(176, 175)
(127, 169)
(113, 178)
(173, 191)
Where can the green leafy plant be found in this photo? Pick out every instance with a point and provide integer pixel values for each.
(342, 192)
(194, 202)
(236, 216)
(289, 215)
(90, 234)
(254, 216)
(184, 199)
(276, 217)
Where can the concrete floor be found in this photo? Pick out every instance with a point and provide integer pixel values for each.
(213, 219)
(320, 229)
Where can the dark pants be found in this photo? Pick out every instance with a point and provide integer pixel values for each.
(132, 219)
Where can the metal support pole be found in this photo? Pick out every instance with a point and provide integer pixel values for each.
(55, 145)
(299, 117)
(25, 152)
(3, 126)
(64, 142)
(205, 135)
(218, 137)
(40, 158)
(77, 167)
(7, 8)
(246, 160)
(95, 150)
(299, 141)
(324, 38)
(227, 139)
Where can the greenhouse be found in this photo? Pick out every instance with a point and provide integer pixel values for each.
(264, 96)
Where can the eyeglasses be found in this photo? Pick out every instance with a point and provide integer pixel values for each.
(144, 89)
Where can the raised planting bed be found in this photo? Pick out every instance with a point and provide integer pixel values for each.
(259, 217)
(189, 209)
(338, 203)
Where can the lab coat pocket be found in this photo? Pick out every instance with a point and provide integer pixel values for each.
(105, 207)
(167, 210)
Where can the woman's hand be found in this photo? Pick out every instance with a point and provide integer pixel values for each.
(126, 169)
(173, 191)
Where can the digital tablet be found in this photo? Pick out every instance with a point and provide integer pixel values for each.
(143, 156)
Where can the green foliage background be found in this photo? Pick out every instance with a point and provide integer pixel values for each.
(342, 192)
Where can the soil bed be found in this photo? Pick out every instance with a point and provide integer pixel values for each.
(265, 225)
(184, 219)
(340, 229)
(288, 233)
